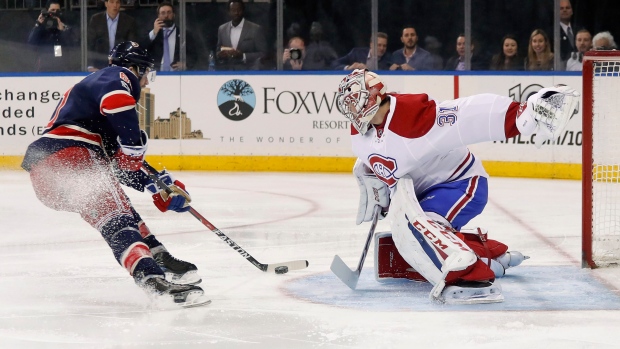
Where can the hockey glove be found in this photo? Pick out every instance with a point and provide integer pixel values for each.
(130, 157)
(177, 201)
(372, 192)
(553, 108)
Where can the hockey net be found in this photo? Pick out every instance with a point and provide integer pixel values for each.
(601, 159)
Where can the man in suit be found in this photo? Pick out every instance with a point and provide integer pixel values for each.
(411, 56)
(458, 62)
(166, 38)
(105, 30)
(240, 43)
(567, 34)
(361, 57)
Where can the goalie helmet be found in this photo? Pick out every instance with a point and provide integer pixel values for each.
(359, 96)
(129, 54)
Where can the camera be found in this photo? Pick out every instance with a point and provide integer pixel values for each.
(295, 54)
(49, 19)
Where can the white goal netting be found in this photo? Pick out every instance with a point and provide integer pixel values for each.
(606, 161)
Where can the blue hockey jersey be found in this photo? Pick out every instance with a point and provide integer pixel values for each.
(96, 113)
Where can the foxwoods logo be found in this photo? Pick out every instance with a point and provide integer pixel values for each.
(522, 95)
(236, 100)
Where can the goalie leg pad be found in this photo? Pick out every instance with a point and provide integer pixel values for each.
(427, 246)
(436, 253)
(389, 264)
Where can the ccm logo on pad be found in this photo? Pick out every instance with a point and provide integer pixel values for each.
(384, 168)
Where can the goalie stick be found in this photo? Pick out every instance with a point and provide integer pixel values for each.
(339, 267)
(271, 267)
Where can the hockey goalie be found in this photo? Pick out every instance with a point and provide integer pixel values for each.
(414, 163)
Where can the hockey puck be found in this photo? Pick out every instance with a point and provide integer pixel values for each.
(281, 269)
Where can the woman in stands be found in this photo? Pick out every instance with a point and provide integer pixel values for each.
(539, 55)
(508, 58)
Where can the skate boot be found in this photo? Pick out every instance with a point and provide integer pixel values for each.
(176, 270)
(183, 295)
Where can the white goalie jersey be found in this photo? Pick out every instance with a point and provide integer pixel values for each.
(428, 141)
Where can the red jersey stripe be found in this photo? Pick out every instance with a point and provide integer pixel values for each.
(461, 165)
(76, 133)
(116, 102)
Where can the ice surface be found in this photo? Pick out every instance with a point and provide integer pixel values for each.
(60, 286)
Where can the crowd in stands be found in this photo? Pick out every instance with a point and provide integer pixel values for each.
(242, 44)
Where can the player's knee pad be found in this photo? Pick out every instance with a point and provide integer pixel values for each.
(431, 249)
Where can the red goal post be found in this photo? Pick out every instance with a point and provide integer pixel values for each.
(601, 159)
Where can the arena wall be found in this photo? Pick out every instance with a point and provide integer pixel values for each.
(279, 122)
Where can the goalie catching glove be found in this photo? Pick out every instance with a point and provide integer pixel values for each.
(372, 192)
(552, 109)
(177, 201)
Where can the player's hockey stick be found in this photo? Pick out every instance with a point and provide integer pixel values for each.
(278, 268)
(342, 271)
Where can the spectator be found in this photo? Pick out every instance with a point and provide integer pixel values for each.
(458, 62)
(433, 46)
(294, 61)
(361, 57)
(51, 36)
(604, 41)
(584, 44)
(319, 54)
(165, 38)
(567, 35)
(105, 30)
(240, 43)
(411, 57)
(539, 55)
(508, 58)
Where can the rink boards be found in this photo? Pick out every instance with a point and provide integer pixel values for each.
(279, 122)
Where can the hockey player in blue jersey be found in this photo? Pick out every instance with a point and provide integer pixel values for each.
(93, 144)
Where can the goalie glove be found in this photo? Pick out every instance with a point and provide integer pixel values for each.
(372, 192)
(130, 157)
(552, 108)
(177, 201)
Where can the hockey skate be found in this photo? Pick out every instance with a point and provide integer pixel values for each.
(176, 270)
(471, 293)
(184, 295)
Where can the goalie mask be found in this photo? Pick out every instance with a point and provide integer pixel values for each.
(359, 96)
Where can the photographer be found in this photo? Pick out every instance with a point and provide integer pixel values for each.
(164, 41)
(51, 36)
(293, 56)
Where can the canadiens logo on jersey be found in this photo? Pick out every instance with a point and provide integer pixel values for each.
(384, 168)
